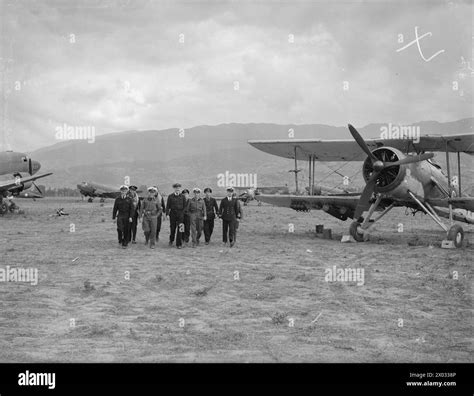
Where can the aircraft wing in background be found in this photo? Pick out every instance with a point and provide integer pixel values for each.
(17, 182)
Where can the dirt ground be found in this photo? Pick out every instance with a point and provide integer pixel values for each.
(265, 300)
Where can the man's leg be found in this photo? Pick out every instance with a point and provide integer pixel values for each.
(193, 226)
(173, 226)
(187, 228)
(134, 228)
(124, 229)
(232, 232)
(119, 234)
(211, 228)
(158, 227)
(225, 228)
(180, 230)
(199, 227)
(145, 230)
(152, 223)
(207, 230)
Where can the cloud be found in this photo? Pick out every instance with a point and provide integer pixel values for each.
(119, 65)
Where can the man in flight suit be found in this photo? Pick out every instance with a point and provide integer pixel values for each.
(196, 210)
(150, 210)
(123, 209)
(175, 210)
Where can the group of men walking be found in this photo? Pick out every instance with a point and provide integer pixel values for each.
(189, 217)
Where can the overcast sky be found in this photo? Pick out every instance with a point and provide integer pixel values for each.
(122, 65)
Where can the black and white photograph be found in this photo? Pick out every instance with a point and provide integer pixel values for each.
(268, 183)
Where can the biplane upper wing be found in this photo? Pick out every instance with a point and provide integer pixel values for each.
(6, 185)
(349, 150)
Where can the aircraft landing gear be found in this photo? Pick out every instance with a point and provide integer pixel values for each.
(356, 231)
(456, 234)
(360, 227)
(102, 200)
(3, 208)
(90, 200)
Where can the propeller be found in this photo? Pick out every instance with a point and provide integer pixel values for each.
(378, 165)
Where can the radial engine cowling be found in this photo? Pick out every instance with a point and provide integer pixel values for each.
(389, 178)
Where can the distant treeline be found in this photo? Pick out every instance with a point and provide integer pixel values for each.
(62, 192)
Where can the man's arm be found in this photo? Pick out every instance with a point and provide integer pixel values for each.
(204, 209)
(114, 211)
(221, 207)
(159, 209)
(215, 207)
(130, 210)
(241, 212)
(168, 204)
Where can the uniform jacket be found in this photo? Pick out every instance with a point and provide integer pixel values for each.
(230, 209)
(150, 207)
(196, 207)
(161, 200)
(211, 207)
(175, 203)
(134, 198)
(123, 207)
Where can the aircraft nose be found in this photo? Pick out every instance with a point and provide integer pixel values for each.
(36, 166)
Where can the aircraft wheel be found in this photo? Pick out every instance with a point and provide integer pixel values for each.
(355, 231)
(3, 208)
(90, 200)
(456, 234)
(102, 200)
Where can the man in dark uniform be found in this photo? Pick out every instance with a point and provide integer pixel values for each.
(132, 232)
(161, 201)
(123, 208)
(212, 210)
(229, 212)
(187, 219)
(175, 210)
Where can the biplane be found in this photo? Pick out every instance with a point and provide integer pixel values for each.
(397, 173)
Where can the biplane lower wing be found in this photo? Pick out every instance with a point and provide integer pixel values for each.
(466, 203)
(341, 206)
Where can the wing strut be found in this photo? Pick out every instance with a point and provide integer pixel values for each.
(459, 173)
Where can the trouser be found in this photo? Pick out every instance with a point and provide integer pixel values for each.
(196, 225)
(187, 228)
(158, 226)
(208, 228)
(122, 230)
(149, 228)
(228, 228)
(176, 227)
(132, 229)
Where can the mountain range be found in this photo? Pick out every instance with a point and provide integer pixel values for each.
(196, 156)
